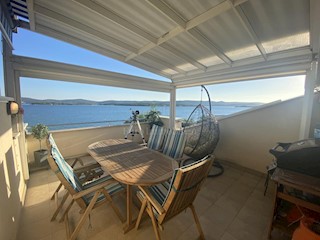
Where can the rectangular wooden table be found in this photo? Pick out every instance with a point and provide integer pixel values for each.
(132, 164)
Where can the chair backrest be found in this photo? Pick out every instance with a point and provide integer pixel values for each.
(63, 170)
(156, 137)
(184, 187)
(174, 143)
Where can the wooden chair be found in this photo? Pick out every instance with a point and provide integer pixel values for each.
(85, 172)
(162, 202)
(88, 195)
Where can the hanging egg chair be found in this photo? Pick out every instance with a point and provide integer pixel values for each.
(202, 134)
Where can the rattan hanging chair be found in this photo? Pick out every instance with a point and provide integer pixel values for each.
(202, 133)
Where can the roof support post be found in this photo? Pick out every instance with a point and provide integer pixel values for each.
(172, 121)
(8, 69)
(307, 105)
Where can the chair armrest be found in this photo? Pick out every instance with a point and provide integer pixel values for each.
(77, 159)
(151, 199)
(93, 188)
(87, 168)
(77, 156)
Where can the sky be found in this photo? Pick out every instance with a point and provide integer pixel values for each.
(27, 43)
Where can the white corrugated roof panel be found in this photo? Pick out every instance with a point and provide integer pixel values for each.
(280, 25)
(190, 8)
(142, 14)
(179, 38)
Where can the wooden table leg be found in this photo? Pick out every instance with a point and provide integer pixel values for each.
(129, 223)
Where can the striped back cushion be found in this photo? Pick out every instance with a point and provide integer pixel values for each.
(156, 138)
(162, 191)
(64, 167)
(174, 143)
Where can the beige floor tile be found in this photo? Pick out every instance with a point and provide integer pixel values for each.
(49, 237)
(250, 217)
(216, 220)
(230, 207)
(224, 180)
(35, 212)
(37, 195)
(201, 203)
(239, 191)
(217, 186)
(260, 204)
(191, 233)
(231, 172)
(35, 230)
(227, 236)
(249, 179)
(59, 235)
(231, 202)
(211, 193)
(242, 230)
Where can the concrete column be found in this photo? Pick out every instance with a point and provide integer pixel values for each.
(172, 107)
(307, 105)
(12, 89)
(20, 123)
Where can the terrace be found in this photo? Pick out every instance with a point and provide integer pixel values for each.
(190, 44)
(230, 207)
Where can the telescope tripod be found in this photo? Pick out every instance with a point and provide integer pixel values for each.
(133, 129)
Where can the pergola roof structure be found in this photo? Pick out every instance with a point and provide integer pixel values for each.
(190, 42)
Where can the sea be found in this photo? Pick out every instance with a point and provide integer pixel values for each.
(58, 117)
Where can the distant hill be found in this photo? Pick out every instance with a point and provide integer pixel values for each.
(133, 103)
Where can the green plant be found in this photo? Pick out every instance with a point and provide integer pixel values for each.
(153, 117)
(39, 131)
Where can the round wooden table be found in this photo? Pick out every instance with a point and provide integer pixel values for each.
(132, 164)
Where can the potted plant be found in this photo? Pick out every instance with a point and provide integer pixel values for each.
(40, 131)
(153, 117)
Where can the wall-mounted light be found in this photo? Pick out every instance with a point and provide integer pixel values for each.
(12, 108)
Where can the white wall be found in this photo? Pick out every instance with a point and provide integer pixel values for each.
(75, 141)
(246, 138)
(12, 184)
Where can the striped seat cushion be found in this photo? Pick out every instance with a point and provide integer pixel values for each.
(156, 137)
(174, 144)
(159, 192)
(112, 188)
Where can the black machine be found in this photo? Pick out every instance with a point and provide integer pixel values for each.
(302, 156)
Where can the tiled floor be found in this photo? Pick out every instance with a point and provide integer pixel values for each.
(230, 207)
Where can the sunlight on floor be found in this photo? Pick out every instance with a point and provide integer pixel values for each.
(230, 207)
